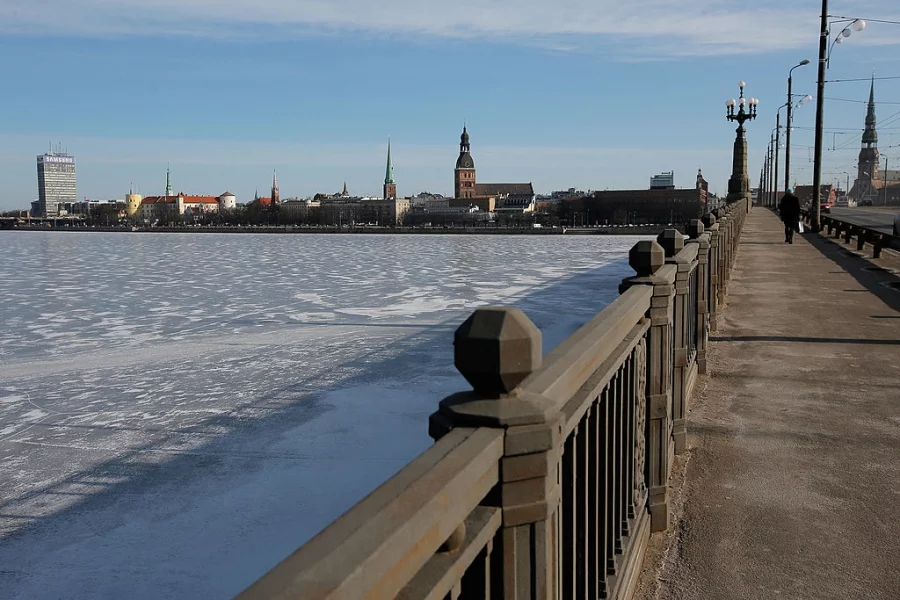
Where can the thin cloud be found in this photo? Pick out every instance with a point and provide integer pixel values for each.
(637, 28)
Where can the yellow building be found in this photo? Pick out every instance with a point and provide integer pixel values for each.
(132, 204)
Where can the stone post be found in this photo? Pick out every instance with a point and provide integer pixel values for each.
(672, 241)
(647, 258)
(701, 237)
(495, 349)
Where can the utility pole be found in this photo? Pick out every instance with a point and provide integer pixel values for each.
(777, 140)
(820, 107)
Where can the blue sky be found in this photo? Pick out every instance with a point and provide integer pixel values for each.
(589, 93)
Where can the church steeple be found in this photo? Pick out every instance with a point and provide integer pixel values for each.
(276, 197)
(390, 188)
(168, 183)
(867, 169)
(464, 175)
(868, 154)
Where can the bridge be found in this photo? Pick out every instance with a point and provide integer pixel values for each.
(727, 428)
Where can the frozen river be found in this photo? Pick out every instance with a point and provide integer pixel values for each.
(180, 412)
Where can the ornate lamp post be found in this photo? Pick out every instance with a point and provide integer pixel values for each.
(739, 184)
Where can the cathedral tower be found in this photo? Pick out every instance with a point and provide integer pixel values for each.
(868, 154)
(867, 169)
(390, 188)
(464, 174)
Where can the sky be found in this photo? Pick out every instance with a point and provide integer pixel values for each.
(594, 94)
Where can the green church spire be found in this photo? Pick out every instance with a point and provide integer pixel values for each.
(168, 183)
(389, 170)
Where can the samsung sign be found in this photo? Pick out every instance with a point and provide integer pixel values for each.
(64, 160)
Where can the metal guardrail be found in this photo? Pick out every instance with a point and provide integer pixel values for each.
(878, 240)
(547, 478)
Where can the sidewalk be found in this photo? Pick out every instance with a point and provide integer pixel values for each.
(792, 477)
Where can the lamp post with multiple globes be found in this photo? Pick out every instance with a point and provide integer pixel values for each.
(739, 183)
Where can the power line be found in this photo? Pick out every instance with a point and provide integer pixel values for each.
(861, 79)
(861, 19)
(857, 101)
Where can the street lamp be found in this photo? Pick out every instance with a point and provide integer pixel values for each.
(739, 184)
(824, 56)
(787, 142)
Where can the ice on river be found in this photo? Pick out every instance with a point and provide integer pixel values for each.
(180, 412)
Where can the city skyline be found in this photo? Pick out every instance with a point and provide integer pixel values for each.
(226, 100)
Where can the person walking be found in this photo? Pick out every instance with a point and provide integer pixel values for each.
(789, 209)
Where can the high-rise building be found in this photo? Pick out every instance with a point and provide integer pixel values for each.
(56, 182)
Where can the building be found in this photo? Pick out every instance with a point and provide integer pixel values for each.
(663, 181)
(56, 183)
(388, 212)
(657, 206)
(390, 187)
(132, 204)
(865, 190)
(508, 197)
(170, 205)
(827, 194)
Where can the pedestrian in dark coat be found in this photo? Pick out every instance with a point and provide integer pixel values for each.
(789, 209)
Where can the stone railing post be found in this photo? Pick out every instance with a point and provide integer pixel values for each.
(714, 251)
(495, 349)
(724, 249)
(700, 236)
(647, 258)
(672, 242)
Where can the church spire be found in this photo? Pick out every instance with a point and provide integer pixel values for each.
(389, 170)
(390, 188)
(870, 114)
(868, 166)
(276, 197)
(168, 182)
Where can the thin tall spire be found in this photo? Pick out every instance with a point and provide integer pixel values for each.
(274, 180)
(168, 182)
(389, 170)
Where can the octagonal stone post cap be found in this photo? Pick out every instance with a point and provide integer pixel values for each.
(672, 241)
(646, 257)
(709, 220)
(695, 229)
(496, 348)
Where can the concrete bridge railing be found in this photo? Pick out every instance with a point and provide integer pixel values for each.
(547, 478)
(877, 240)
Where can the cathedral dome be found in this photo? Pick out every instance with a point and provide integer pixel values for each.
(465, 161)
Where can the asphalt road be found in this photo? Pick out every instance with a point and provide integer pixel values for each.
(875, 217)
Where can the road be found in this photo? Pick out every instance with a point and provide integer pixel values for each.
(875, 217)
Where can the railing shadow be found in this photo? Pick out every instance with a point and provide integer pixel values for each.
(206, 509)
(882, 283)
(801, 340)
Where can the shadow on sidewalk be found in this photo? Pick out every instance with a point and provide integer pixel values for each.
(882, 283)
(802, 340)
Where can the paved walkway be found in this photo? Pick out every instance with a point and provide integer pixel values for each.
(792, 479)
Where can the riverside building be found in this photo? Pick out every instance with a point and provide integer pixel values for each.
(56, 182)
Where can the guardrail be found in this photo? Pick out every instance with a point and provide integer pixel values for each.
(546, 479)
(878, 240)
